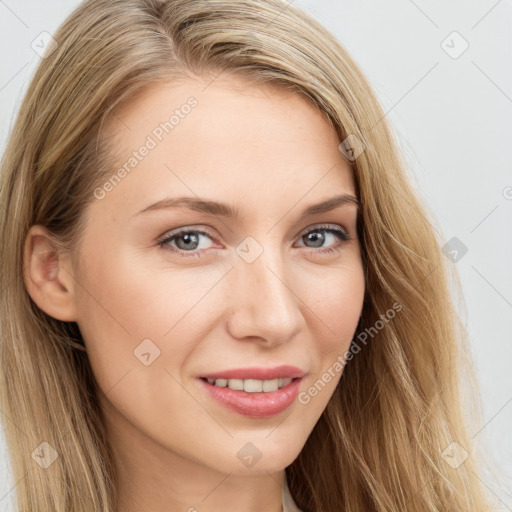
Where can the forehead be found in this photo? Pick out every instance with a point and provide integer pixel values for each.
(223, 108)
(225, 138)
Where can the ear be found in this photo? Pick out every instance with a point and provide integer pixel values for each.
(48, 275)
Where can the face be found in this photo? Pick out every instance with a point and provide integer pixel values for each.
(168, 295)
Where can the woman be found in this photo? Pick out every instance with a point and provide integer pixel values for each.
(170, 338)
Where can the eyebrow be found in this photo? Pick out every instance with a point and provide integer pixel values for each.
(225, 210)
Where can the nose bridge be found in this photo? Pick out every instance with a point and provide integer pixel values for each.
(263, 303)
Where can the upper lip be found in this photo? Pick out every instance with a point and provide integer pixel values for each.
(258, 372)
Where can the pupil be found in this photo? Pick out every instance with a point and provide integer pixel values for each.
(188, 238)
(316, 238)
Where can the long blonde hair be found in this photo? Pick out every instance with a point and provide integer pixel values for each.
(380, 444)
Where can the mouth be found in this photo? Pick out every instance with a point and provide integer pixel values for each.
(250, 385)
(257, 373)
(253, 398)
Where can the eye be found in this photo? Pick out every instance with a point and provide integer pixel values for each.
(187, 241)
(318, 237)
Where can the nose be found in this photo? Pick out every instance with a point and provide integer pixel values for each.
(262, 304)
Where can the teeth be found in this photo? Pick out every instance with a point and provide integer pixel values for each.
(284, 382)
(251, 385)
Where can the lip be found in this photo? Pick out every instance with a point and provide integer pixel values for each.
(255, 405)
(258, 372)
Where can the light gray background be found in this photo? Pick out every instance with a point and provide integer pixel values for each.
(453, 117)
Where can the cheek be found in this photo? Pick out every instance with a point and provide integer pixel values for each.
(336, 302)
(124, 301)
(115, 306)
(123, 291)
(336, 305)
(124, 316)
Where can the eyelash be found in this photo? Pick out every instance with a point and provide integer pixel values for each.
(163, 243)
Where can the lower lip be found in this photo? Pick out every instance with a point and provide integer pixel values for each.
(255, 405)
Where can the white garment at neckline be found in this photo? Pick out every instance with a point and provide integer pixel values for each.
(289, 504)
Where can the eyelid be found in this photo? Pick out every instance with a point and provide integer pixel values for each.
(199, 228)
(321, 226)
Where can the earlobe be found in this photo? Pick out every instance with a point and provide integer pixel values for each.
(48, 275)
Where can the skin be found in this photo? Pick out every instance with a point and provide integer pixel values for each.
(270, 153)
